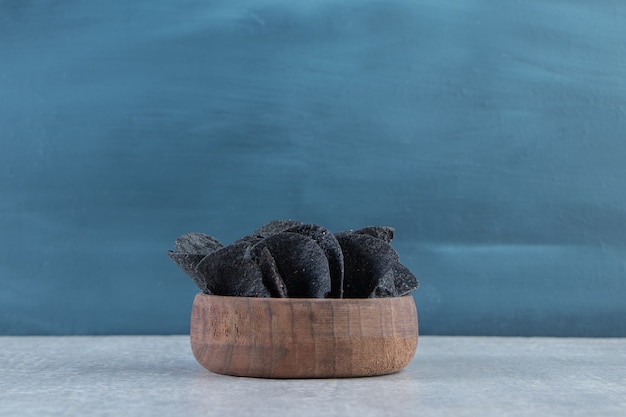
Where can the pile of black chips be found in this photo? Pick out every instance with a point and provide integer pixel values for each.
(287, 258)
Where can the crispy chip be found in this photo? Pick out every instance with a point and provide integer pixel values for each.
(367, 262)
(287, 258)
(329, 244)
(301, 263)
(381, 232)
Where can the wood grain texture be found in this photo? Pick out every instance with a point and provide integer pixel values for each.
(303, 338)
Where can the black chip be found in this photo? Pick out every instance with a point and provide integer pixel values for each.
(301, 263)
(287, 258)
(188, 262)
(232, 271)
(271, 277)
(381, 232)
(275, 227)
(404, 280)
(328, 243)
(197, 243)
(367, 261)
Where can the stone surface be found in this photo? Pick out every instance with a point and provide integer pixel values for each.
(137, 376)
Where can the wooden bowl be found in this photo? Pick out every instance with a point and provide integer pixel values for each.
(303, 337)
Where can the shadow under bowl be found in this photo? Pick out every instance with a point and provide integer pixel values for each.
(303, 337)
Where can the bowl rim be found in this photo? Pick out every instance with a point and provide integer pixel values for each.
(313, 300)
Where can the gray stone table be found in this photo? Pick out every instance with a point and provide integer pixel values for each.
(456, 376)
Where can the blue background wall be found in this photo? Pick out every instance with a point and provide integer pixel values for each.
(491, 134)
